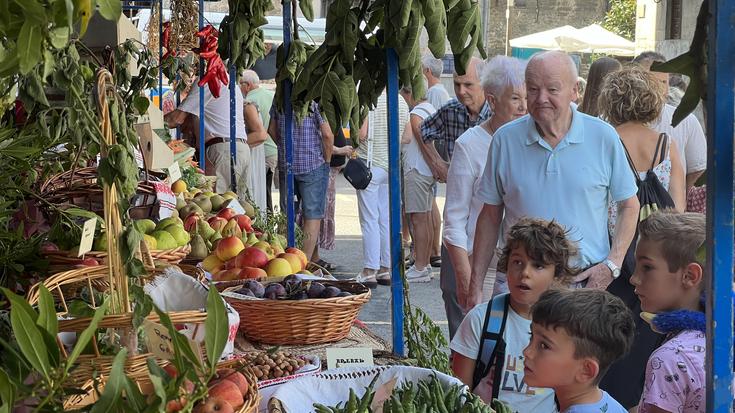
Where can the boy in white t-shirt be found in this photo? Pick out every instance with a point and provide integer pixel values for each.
(535, 257)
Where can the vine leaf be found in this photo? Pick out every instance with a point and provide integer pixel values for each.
(110, 9)
(29, 46)
(112, 393)
(307, 9)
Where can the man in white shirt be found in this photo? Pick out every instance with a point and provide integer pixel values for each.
(688, 134)
(217, 136)
(432, 68)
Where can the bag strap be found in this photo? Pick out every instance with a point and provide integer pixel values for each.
(663, 141)
(630, 163)
(491, 341)
(371, 138)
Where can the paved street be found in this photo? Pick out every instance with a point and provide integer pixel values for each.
(348, 256)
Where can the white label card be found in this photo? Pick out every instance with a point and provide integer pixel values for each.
(85, 245)
(159, 341)
(174, 172)
(349, 357)
(236, 206)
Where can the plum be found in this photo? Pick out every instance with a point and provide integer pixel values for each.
(292, 277)
(299, 296)
(274, 291)
(331, 292)
(245, 291)
(344, 294)
(256, 287)
(315, 290)
(291, 285)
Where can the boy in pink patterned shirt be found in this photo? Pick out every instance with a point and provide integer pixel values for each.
(668, 278)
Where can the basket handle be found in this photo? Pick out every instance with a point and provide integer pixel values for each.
(144, 254)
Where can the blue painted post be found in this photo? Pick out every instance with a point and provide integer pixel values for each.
(202, 157)
(233, 128)
(160, 54)
(288, 139)
(394, 168)
(720, 118)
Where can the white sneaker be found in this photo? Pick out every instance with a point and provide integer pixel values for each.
(383, 278)
(414, 275)
(368, 280)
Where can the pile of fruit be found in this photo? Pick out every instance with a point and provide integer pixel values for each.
(290, 288)
(227, 392)
(272, 366)
(168, 234)
(253, 257)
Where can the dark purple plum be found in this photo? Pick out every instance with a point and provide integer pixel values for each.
(245, 291)
(331, 292)
(344, 294)
(275, 291)
(256, 287)
(315, 290)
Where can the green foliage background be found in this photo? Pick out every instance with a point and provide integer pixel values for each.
(620, 18)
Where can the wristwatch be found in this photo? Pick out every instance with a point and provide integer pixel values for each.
(613, 268)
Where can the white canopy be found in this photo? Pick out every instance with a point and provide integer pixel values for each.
(590, 39)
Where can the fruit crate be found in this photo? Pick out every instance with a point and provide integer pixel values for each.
(300, 322)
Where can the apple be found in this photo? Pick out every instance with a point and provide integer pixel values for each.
(245, 223)
(251, 273)
(266, 248)
(278, 267)
(190, 222)
(236, 377)
(301, 254)
(227, 275)
(211, 263)
(252, 257)
(217, 223)
(87, 262)
(228, 248)
(214, 405)
(47, 247)
(292, 259)
(227, 391)
(227, 213)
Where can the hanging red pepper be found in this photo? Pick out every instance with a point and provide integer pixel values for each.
(215, 71)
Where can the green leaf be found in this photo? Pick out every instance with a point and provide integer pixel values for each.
(59, 37)
(307, 9)
(30, 341)
(156, 374)
(33, 11)
(7, 391)
(30, 46)
(47, 318)
(110, 9)
(141, 103)
(84, 338)
(216, 328)
(112, 393)
(182, 350)
(133, 395)
(19, 303)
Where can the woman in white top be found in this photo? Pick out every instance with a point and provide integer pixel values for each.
(503, 80)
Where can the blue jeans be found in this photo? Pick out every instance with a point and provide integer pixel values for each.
(311, 188)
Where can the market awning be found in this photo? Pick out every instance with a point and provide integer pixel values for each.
(590, 39)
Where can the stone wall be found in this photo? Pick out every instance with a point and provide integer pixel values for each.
(526, 18)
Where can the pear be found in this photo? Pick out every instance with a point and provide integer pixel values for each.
(100, 243)
(166, 222)
(180, 203)
(216, 236)
(164, 240)
(229, 195)
(204, 229)
(249, 209)
(146, 226)
(232, 229)
(199, 248)
(204, 203)
(180, 235)
(217, 202)
(175, 213)
(190, 209)
(251, 240)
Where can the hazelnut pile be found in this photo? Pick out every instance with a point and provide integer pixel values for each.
(272, 366)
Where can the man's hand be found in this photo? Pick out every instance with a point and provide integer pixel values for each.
(598, 277)
(440, 169)
(469, 297)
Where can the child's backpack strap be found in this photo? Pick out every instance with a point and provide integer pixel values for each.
(492, 345)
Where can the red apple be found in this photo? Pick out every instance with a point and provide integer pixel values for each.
(227, 275)
(245, 223)
(214, 405)
(302, 256)
(190, 223)
(252, 257)
(49, 247)
(227, 213)
(292, 259)
(251, 273)
(217, 223)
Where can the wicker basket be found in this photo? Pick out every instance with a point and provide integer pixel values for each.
(301, 322)
(68, 285)
(66, 260)
(252, 398)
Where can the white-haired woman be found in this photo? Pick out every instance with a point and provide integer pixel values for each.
(503, 79)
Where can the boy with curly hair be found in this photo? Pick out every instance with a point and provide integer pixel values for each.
(487, 348)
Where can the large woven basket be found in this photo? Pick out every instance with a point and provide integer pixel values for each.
(66, 286)
(66, 260)
(252, 399)
(301, 322)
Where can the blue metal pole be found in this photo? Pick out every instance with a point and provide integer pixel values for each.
(720, 118)
(160, 55)
(202, 156)
(394, 183)
(233, 128)
(288, 139)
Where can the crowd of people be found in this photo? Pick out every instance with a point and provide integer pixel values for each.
(564, 216)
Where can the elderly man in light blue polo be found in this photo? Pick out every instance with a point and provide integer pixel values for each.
(556, 163)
